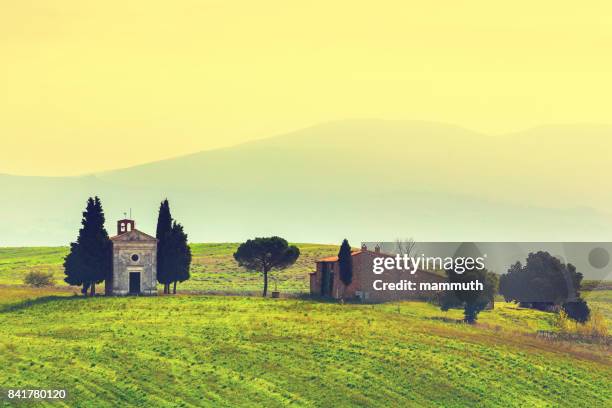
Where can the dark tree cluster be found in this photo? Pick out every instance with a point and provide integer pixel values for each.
(173, 252)
(545, 283)
(265, 254)
(472, 301)
(90, 260)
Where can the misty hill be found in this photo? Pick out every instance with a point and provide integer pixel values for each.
(554, 166)
(368, 180)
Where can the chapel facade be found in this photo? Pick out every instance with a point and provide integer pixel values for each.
(134, 262)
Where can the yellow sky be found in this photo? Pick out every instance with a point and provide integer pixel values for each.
(83, 80)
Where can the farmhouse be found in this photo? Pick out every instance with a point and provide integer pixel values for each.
(134, 262)
(325, 280)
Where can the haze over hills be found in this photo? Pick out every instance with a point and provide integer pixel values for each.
(535, 167)
(368, 180)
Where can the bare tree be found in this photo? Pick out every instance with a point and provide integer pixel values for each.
(403, 247)
(406, 246)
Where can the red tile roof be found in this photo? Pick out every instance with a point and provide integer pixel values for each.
(335, 258)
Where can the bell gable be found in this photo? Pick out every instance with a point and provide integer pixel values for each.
(134, 235)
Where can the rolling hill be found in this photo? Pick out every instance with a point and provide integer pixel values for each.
(366, 180)
(230, 351)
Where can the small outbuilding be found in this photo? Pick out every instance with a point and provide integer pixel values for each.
(134, 262)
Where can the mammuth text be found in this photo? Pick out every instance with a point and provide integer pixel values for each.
(427, 286)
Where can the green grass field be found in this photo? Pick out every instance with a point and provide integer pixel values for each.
(214, 271)
(213, 268)
(602, 301)
(197, 350)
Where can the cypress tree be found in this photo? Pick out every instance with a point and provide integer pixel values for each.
(90, 258)
(164, 220)
(181, 259)
(345, 261)
(164, 245)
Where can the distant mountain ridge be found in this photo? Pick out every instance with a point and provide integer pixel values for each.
(366, 180)
(426, 155)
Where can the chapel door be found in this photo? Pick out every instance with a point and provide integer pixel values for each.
(134, 283)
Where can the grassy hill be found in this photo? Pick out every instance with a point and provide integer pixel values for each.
(214, 271)
(193, 350)
(213, 267)
(227, 351)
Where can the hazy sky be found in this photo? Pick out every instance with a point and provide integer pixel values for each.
(86, 85)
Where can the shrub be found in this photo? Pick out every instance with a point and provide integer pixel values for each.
(577, 310)
(39, 279)
(564, 323)
(594, 327)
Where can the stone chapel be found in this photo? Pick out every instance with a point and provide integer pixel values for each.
(134, 262)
